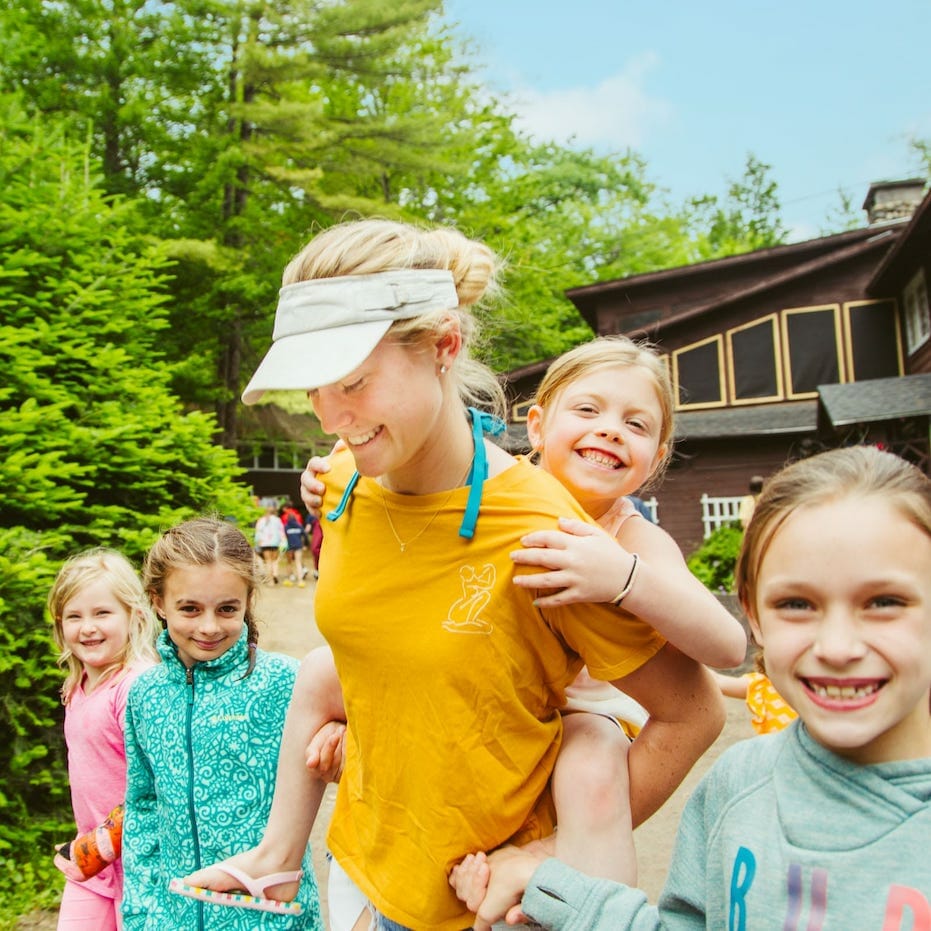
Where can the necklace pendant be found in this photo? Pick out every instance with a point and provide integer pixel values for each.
(403, 546)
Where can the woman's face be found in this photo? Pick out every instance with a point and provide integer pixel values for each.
(387, 411)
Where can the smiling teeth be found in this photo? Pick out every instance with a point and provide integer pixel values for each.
(361, 438)
(591, 456)
(843, 691)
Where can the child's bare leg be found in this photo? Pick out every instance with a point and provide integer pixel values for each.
(317, 698)
(591, 792)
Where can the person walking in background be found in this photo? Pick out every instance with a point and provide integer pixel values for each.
(768, 709)
(294, 535)
(202, 735)
(313, 533)
(270, 538)
(104, 627)
(748, 502)
(828, 818)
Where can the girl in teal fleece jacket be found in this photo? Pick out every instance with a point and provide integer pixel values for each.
(824, 824)
(203, 730)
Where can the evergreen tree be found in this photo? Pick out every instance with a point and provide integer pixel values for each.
(97, 451)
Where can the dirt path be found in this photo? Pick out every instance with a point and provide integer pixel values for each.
(287, 626)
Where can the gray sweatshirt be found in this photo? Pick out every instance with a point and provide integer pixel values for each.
(781, 834)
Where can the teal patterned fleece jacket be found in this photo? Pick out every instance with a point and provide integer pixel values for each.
(201, 753)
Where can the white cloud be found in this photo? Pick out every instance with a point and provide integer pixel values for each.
(617, 113)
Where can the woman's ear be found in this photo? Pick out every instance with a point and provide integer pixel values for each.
(449, 343)
(535, 427)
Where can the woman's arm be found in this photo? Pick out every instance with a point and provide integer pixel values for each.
(687, 714)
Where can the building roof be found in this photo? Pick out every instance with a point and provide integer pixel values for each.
(876, 399)
(753, 420)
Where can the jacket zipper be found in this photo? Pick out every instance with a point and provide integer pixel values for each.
(189, 740)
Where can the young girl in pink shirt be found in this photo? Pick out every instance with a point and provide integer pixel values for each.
(106, 632)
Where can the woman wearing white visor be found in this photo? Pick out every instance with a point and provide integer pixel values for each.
(452, 677)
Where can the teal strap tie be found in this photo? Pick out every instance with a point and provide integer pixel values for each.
(481, 423)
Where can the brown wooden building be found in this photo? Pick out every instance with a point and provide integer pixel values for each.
(778, 353)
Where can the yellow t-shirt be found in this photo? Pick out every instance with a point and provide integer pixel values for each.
(452, 681)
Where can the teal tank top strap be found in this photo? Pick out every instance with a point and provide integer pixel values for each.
(482, 423)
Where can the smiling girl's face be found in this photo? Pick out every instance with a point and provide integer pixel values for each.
(600, 436)
(843, 613)
(205, 609)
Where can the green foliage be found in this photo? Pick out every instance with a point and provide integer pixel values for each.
(714, 561)
(97, 451)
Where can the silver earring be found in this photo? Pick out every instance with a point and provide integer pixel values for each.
(442, 369)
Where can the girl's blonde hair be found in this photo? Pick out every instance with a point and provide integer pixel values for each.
(113, 568)
(606, 352)
(366, 247)
(856, 471)
(205, 541)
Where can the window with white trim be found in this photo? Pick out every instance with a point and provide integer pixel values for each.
(917, 313)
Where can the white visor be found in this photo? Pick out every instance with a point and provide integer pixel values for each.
(326, 327)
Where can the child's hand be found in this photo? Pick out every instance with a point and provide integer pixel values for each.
(312, 489)
(327, 751)
(64, 862)
(585, 564)
(492, 886)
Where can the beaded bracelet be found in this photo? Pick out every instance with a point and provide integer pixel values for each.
(629, 584)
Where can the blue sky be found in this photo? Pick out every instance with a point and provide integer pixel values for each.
(826, 92)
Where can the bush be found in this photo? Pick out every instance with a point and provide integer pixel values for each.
(714, 561)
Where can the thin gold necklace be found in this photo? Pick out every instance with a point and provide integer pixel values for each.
(404, 544)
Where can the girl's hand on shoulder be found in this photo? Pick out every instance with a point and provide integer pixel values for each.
(582, 563)
(312, 489)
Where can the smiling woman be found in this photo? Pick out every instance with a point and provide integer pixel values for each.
(441, 657)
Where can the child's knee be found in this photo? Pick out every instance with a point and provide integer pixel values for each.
(593, 767)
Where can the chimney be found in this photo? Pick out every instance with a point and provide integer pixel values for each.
(891, 201)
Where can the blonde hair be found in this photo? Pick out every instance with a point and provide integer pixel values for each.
(860, 471)
(205, 541)
(112, 567)
(366, 247)
(605, 352)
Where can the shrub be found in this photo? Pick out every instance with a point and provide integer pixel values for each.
(714, 561)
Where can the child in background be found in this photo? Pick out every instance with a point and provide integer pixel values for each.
(768, 709)
(106, 632)
(603, 426)
(270, 538)
(294, 534)
(830, 817)
(202, 734)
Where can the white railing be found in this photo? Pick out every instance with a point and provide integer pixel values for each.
(716, 512)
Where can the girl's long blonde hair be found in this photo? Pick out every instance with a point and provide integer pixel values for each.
(117, 571)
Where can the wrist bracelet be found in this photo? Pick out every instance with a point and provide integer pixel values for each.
(629, 584)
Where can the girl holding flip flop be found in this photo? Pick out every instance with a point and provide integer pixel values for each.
(202, 735)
